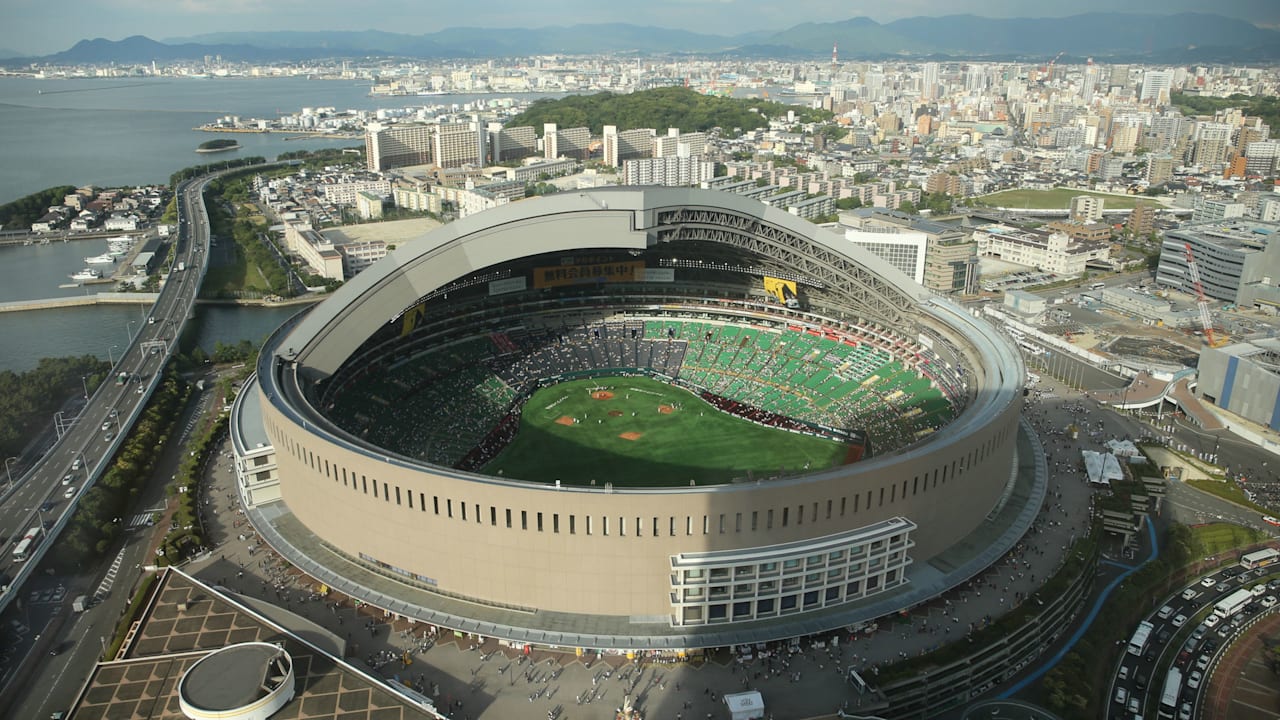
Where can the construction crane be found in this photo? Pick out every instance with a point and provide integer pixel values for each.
(1201, 301)
(1048, 71)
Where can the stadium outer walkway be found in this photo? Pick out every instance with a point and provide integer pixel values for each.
(1145, 391)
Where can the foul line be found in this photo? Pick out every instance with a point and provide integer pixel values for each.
(1088, 620)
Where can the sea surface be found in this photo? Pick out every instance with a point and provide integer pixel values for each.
(122, 131)
(127, 131)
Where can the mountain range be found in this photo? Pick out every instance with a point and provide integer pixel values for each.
(1118, 37)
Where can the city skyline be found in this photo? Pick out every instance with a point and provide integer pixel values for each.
(28, 30)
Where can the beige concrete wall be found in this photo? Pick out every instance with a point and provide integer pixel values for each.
(620, 573)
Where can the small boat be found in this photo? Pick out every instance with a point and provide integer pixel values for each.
(87, 274)
(101, 259)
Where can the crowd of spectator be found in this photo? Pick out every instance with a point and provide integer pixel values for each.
(458, 405)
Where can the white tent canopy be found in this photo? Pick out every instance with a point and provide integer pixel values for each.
(745, 706)
(1124, 449)
(1101, 468)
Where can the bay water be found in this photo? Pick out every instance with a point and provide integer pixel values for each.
(134, 131)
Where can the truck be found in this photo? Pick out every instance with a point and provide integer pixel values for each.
(80, 603)
(122, 378)
(182, 265)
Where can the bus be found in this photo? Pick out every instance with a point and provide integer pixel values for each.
(23, 549)
(1097, 286)
(1233, 603)
(1172, 688)
(1138, 643)
(1261, 558)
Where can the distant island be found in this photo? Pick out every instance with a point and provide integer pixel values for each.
(219, 145)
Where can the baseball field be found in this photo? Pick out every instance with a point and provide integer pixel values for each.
(634, 431)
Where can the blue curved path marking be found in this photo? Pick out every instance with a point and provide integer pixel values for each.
(1088, 620)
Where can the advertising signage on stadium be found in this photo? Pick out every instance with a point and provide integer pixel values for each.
(783, 290)
(625, 271)
(509, 285)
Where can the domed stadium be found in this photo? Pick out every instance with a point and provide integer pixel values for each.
(644, 418)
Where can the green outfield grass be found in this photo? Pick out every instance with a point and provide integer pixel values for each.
(1055, 199)
(693, 442)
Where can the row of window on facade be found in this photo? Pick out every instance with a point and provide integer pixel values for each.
(753, 521)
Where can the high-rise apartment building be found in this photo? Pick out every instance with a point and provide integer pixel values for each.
(627, 144)
(570, 142)
(392, 146)
(1212, 142)
(458, 144)
(1156, 86)
(1159, 169)
(1260, 157)
(929, 81)
(511, 143)
(676, 143)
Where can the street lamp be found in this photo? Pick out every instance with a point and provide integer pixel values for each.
(128, 332)
(85, 384)
(111, 357)
(9, 471)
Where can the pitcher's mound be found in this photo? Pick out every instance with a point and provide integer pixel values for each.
(630, 435)
(602, 395)
(615, 413)
(564, 420)
(666, 409)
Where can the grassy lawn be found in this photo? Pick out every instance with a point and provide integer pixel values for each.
(1218, 537)
(1057, 198)
(628, 441)
(1228, 491)
(238, 276)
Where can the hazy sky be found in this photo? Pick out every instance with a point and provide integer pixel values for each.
(37, 26)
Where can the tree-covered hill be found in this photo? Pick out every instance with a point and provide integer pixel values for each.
(660, 108)
(19, 214)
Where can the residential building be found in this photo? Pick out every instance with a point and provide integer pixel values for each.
(1156, 86)
(369, 205)
(669, 170)
(627, 144)
(458, 144)
(676, 144)
(571, 142)
(513, 143)
(1212, 141)
(1210, 209)
(1159, 169)
(347, 190)
(392, 146)
(1142, 220)
(418, 198)
(1086, 208)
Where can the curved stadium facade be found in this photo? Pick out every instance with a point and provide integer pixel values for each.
(385, 403)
